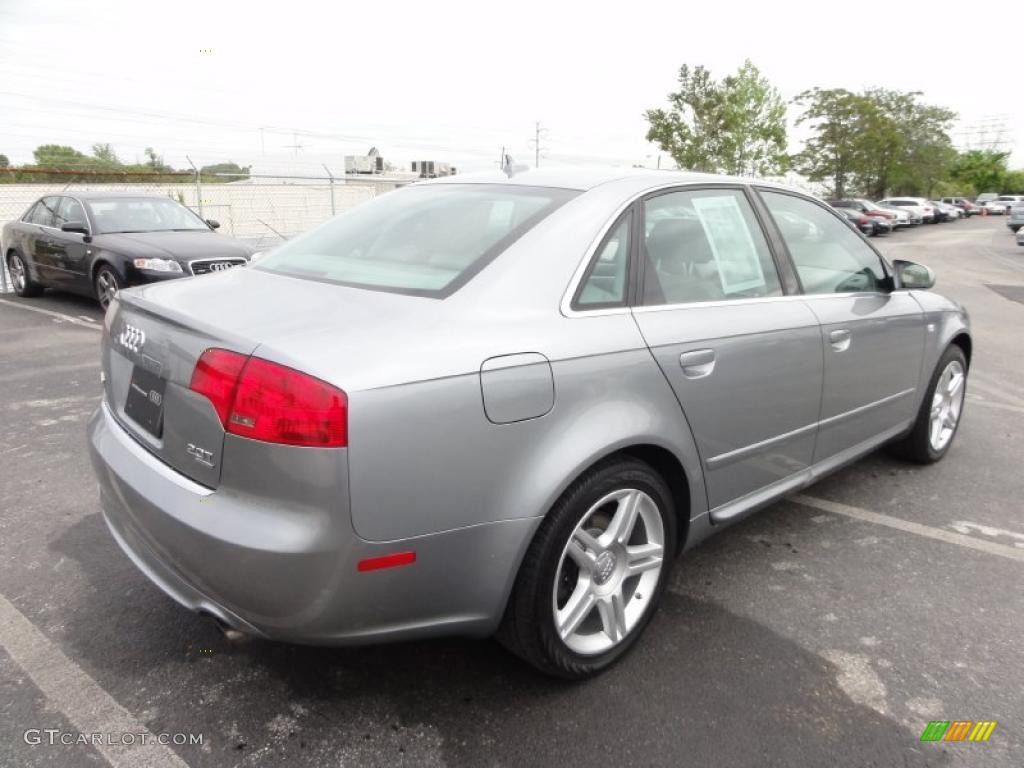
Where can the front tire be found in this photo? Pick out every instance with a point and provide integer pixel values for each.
(594, 573)
(21, 279)
(939, 415)
(106, 285)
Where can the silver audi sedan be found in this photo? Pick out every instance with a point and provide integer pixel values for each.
(492, 405)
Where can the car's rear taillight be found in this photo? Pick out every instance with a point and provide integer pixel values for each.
(258, 399)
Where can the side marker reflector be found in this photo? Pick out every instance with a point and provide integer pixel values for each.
(394, 560)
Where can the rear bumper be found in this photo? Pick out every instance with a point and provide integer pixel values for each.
(286, 575)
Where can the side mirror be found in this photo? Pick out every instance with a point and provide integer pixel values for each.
(75, 226)
(213, 224)
(913, 276)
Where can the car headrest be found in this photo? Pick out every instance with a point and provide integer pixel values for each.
(675, 245)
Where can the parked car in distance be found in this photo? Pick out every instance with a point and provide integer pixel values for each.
(994, 207)
(965, 205)
(1015, 219)
(1009, 200)
(918, 204)
(870, 209)
(1020, 236)
(462, 414)
(859, 221)
(94, 244)
(985, 197)
(905, 217)
(948, 212)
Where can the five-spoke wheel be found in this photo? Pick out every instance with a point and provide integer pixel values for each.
(612, 560)
(594, 572)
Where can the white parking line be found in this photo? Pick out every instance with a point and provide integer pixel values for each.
(975, 400)
(78, 697)
(59, 315)
(866, 515)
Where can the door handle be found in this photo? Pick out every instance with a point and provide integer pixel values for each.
(840, 339)
(698, 363)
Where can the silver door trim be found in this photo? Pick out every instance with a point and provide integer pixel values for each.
(730, 457)
(867, 407)
(724, 459)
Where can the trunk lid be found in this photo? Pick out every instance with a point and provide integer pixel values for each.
(148, 358)
(352, 338)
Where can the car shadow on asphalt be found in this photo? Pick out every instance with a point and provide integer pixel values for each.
(55, 300)
(703, 686)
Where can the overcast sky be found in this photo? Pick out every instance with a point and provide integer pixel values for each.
(453, 81)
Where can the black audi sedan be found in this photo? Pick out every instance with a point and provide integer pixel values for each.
(97, 243)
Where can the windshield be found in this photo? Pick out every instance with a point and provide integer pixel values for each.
(143, 215)
(423, 240)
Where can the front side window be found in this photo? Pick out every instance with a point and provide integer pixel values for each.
(705, 245)
(829, 256)
(605, 282)
(423, 240)
(69, 210)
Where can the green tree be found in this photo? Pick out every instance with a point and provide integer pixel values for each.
(105, 154)
(59, 156)
(4, 162)
(155, 162)
(875, 142)
(1013, 182)
(237, 171)
(835, 154)
(982, 169)
(929, 155)
(735, 126)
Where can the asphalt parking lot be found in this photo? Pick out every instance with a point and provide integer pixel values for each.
(828, 629)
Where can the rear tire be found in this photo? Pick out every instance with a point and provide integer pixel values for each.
(594, 573)
(21, 279)
(939, 415)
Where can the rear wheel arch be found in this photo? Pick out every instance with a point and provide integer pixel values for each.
(664, 462)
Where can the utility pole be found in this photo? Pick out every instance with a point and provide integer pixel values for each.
(295, 144)
(199, 187)
(535, 141)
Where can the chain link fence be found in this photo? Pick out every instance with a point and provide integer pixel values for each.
(260, 210)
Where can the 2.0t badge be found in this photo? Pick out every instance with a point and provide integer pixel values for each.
(132, 338)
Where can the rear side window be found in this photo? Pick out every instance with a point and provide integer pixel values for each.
(828, 255)
(423, 240)
(705, 245)
(605, 283)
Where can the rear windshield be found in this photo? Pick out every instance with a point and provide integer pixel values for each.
(423, 240)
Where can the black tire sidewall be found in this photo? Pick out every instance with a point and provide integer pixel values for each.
(563, 521)
(922, 429)
(96, 281)
(30, 287)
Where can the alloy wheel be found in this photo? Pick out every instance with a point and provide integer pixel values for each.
(608, 572)
(17, 270)
(947, 402)
(106, 288)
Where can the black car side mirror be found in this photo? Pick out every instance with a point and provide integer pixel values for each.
(75, 226)
(213, 224)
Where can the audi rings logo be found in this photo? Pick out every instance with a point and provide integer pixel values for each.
(132, 338)
(219, 266)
